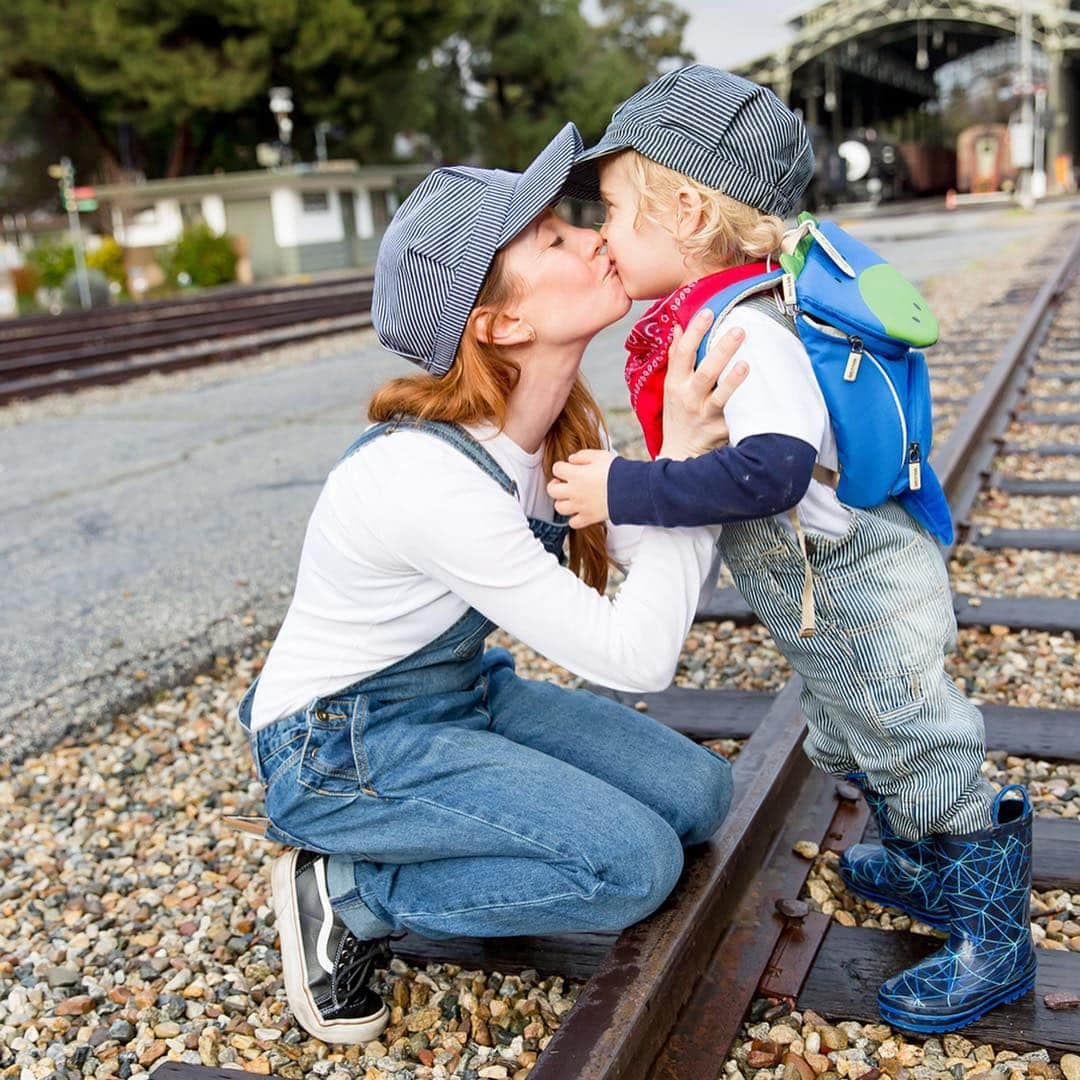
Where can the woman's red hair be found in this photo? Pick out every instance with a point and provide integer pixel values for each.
(477, 390)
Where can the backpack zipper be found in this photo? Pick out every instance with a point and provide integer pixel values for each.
(914, 467)
(851, 372)
(899, 411)
(855, 357)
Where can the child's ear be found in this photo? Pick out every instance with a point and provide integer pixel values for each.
(688, 213)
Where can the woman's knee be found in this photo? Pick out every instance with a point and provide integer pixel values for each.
(707, 789)
(640, 869)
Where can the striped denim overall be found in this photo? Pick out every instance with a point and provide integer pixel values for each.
(875, 693)
(456, 798)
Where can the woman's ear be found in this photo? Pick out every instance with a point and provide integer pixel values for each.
(502, 328)
(688, 213)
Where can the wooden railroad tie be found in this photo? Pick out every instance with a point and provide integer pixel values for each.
(1055, 614)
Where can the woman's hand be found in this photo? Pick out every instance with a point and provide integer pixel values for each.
(580, 487)
(693, 402)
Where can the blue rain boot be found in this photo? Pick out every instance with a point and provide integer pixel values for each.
(989, 958)
(897, 872)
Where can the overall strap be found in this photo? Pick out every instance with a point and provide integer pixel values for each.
(452, 434)
(767, 305)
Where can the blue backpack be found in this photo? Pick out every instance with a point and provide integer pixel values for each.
(863, 326)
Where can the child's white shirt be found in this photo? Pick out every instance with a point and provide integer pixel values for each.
(781, 396)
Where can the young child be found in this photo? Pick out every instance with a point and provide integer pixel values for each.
(695, 172)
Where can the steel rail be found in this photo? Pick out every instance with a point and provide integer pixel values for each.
(32, 325)
(220, 311)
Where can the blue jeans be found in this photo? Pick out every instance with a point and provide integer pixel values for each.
(505, 806)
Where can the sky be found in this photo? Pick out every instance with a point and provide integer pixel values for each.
(727, 32)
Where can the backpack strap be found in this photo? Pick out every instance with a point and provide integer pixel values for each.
(453, 434)
(765, 303)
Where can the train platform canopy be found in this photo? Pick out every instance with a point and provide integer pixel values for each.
(856, 63)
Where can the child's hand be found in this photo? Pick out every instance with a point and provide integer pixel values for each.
(580, 487)
(693, 402)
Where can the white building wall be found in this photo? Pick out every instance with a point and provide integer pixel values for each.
(294, 226)
(213, 212)
(365, 223)
(151, 227)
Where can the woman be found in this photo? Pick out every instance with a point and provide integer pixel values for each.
(420, 782)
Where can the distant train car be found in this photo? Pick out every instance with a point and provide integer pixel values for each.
(876, 170)
(931, 169)
(983, 161)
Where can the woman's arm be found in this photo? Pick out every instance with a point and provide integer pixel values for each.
(461, 529)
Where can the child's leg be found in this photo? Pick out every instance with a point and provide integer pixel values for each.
(874, 670)
(917, 738)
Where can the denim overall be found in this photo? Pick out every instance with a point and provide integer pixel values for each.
(876, 695)
(457, 799)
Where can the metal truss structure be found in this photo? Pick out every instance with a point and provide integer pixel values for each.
(832, 29)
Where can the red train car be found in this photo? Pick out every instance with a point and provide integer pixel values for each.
(931, 169)
(983, 160)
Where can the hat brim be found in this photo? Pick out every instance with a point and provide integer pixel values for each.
(584, 179)
(541, 184)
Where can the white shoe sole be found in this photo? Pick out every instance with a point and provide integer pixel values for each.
(350, 1032)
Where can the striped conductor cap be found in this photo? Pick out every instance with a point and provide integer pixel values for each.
(721, 130)
(440, 244)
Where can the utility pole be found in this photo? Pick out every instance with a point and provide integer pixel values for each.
(1022, 135)
(64, 173)
(281, 105)
(322, 129)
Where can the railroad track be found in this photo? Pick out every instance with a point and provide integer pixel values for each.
(666, 999)
(50, 354)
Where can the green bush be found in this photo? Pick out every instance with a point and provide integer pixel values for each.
(109, 259)
(97, 285)
(200, 257)
(52, 260)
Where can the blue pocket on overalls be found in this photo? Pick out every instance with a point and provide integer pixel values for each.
(332, 762)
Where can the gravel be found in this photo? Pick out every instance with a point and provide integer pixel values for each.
(1014, 572)
(1034, 435)
(1051, 408)
(1038, 467)
(1049, 384)
(1026, 511)
(136, 927)
(803, 1045)
(1024, 668)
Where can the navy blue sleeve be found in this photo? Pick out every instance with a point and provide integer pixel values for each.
(762, 476)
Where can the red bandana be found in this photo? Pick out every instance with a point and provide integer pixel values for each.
(649, 341)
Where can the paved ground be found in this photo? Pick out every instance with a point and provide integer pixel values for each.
(152, 527)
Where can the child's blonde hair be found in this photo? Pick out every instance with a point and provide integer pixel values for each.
(730, 234)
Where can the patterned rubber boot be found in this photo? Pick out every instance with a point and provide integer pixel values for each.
(989, 958)
(897, 872)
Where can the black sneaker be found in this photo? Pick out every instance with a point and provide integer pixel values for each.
(327, 968)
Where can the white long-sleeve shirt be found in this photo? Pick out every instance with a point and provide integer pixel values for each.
(408, 533)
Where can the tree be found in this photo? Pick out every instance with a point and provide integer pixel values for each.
(145, 87)
(180, 87)
(513, 74)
